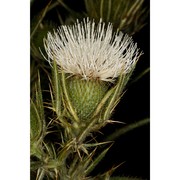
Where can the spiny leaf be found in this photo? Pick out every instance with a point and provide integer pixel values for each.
(103, 101)
(40, 19)
(67, 98)
(126, 129)
(96, 144)
(37, 120)
(81, 165)
(73, 15)
(73, 165)
(50, 150)
(37, 114)
(65, 6)
(107, 174)
(118, 90)
(128, 16)
(139, 76)
(40, 174)
(56, 89)
(39, 99)
(36, 123)
(97, 160)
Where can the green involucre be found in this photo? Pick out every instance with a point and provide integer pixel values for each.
(85, 95)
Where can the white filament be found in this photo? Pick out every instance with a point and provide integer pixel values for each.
(91, 51)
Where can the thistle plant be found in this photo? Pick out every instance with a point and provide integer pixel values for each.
(94, 66)
(79, 73)
(91, 66)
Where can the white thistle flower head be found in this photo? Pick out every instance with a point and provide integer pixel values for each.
(91, 51)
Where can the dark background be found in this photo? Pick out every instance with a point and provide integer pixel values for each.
(133, 147)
